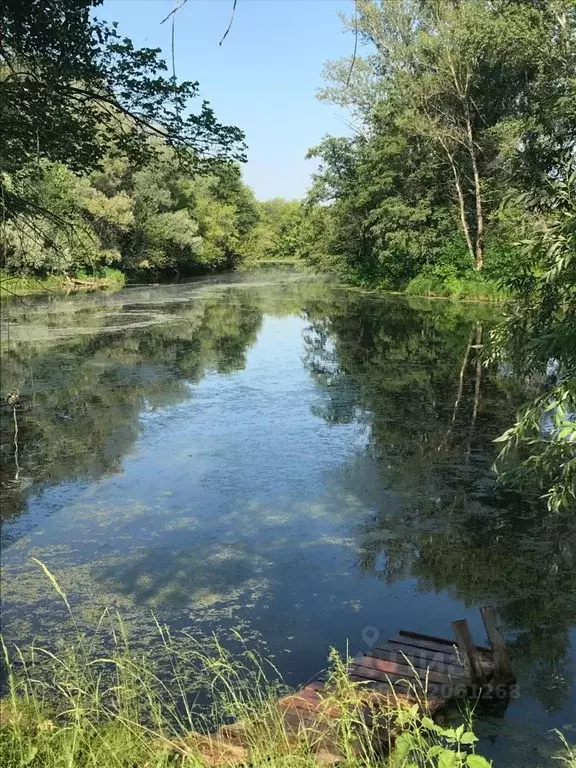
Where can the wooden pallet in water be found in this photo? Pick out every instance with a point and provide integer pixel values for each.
(410, 668)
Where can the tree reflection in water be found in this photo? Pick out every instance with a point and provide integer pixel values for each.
(415, 376)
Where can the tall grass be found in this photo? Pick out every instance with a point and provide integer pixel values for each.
(100, 703)
(567, 757)
(471, 288)
(12, 285)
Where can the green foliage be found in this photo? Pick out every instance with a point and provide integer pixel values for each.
(314, 235)
(276, 237)
(451, 275)
(447, 284)
(459, 106)
(449, 747)
(148, 222)
(95, 135)
(386, 227)
(106, 278)
(539, 332)
(72, 88)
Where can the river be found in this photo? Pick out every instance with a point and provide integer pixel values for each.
(282, 456)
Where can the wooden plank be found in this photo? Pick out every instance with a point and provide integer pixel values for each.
(501, 657)
(453, 655)
(419, 643)
(400, 683)
(408, 645)
(397, 689)
(378, 666)
(433, 639)
(468, 649)
(434, 676)
(399, 693)
(421, 658)
(448, 672)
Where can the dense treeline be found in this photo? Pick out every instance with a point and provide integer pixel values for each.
(148, 222)
(459, 108)
(104, 163)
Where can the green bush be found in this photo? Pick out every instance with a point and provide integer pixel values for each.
(471, 287)
(452, 275)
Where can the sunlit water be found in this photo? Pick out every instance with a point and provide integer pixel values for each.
(304, 463)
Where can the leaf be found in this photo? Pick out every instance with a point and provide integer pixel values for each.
(404, 744)
(448, 759)
(468, 738)
(477, 761)
(53, 581)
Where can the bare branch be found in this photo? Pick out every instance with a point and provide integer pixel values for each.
(224, 36)
(174, 11)
(355, 43)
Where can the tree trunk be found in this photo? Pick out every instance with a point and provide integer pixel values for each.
(477, 384)
(479, 245)
(461, 205)
(463, 367)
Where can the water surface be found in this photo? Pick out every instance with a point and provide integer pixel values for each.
(288, 458)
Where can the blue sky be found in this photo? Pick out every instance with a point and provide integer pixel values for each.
(263, 78)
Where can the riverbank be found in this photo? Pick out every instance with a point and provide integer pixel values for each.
(97, 702)
(11, 285)
(470, 286)
(473, 288)
(87, 707)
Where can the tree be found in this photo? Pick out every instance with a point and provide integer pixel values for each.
(391, 209)
(538, 337)
(72, 89)
(150, 222)
(484, 87)
(276, 233)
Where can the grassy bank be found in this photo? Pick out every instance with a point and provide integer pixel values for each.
(108, 279)
(88, 709)
(97, 702)
(438, 283)
(271, 264)
(472, 288)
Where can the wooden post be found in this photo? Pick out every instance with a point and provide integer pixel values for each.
(467, 648)
(502, 663)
